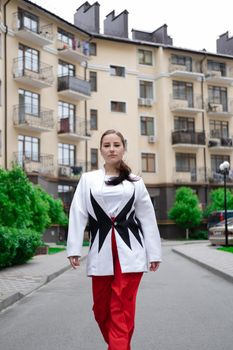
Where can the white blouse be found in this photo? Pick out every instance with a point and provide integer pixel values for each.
(112, 196)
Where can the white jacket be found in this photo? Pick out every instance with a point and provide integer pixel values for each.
(137, 236)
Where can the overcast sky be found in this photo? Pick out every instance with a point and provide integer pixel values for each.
(192, 24)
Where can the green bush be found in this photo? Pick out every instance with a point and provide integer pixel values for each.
(200, 234)
(17, 245)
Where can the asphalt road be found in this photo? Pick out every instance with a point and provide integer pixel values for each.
(180, 307)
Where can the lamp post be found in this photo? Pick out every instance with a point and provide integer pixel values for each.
(224, 169)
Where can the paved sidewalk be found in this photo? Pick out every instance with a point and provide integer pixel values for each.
(18, 281)
(209, 257)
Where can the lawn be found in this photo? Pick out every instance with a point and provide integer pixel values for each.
(226, 249)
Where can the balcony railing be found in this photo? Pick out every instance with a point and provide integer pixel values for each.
(192, 106)
(33, 118)
(35, 162)
(36, 74)
(183, 71)
(188, 137)
(74, 87)
(66, 170)
(217, 77)
(41, 34)
(220, 142)
(78, 130)
(220, 109)
(77, 51)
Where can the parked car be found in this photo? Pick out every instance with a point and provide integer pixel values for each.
(218, 216)
(217, 233)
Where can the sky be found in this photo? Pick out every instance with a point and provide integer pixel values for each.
(195, 24)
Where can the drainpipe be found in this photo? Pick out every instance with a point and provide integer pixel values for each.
(5, 85)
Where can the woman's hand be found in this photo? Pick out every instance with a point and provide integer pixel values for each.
(74, 261)
(154, 265)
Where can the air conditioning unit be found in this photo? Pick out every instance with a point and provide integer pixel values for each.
(148, 102)
(64, 171)
(141, 101)
(151, 139)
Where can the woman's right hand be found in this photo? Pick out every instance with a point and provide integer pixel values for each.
(74, 261)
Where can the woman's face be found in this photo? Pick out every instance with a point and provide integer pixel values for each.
(112, 149)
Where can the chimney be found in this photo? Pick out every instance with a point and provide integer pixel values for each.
(86, 17)
(225, 44)
(159, 36)
(116, 25)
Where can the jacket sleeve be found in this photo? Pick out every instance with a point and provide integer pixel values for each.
(78, 218)
(144, 211)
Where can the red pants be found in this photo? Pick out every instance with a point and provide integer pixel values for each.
(114, 303)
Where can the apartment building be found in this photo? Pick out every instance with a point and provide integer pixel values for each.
(64, 84)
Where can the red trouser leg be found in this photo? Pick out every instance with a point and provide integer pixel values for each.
(114, 304)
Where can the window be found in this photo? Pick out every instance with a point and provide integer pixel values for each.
(94, 119)
(145, 57)
(29, 103)
(147, 126)
(148, 162)
(65, 69)
(92, 49)
(216, 66)
(29, 148)
(117, 71)
(183, 91)
(146, 89)
(183, 61)
(219, 128)
(216, 160)
(94, 158)
(185, 162)
(66, 154)
(28, 58)
(66, 114)
(118, 106)
(28, 20)
(218, 95)
(65, 37)
(93, 81)
(183, 123)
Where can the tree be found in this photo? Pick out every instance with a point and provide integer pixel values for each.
(216, 198)
(186, 210)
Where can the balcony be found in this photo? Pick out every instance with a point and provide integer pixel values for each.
(187, 139)
(192, 176)
(74, 88)
(79, 132)
(78, 52)
(34, 163)
(41, 36)
(215, 177)
(217, 77)
(185, 106)
(67, 171)
(220, 143)
(183, 71)
(38, 77)
(27, 117)
(220, 109)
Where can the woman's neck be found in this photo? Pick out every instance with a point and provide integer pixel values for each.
(110, 170)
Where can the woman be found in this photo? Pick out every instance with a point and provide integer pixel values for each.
(124, 239)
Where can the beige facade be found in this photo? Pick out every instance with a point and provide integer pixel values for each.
(173, 105)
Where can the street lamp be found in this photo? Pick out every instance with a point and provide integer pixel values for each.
(224, 169)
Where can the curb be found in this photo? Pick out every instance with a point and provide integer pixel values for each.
(12, 299)
(216, 271)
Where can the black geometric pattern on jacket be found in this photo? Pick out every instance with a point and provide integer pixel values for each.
(121, 223)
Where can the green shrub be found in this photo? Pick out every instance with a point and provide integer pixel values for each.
(17, 245)
(201, 234)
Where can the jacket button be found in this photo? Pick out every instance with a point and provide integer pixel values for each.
(115, 223)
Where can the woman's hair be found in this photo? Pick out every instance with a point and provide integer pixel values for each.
(123, 168)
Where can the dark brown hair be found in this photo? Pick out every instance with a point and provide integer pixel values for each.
(123, 168)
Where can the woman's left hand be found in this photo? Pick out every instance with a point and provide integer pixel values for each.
(154, 265)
